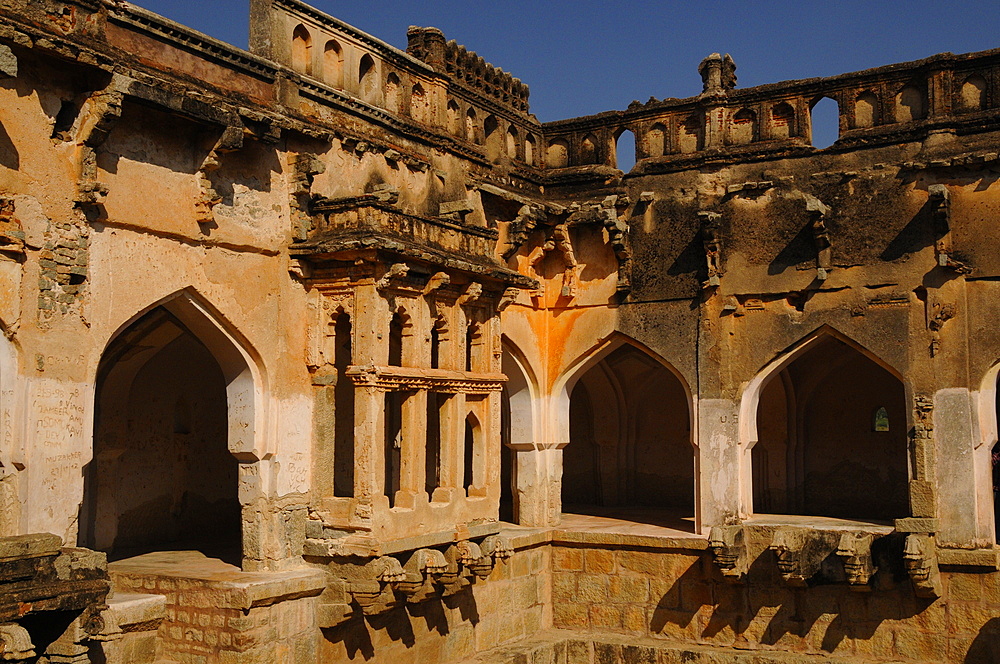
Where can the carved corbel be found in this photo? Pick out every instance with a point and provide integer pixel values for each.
(497, 546)
(438, 281)
(855, 551)
(420, 571)
(920, 559)
(369, 590)
(729, 552)
(472, 293)
(529, 217)
(818, 213)
(618, 229)
(15, 644)
(940, 314)
(455, 578)
(472, 558)
(230, 141)
(801, 553)
(305, 168)
(557, 240)
(939, 200)
(98, 116)
(711, 238)
(508, 298)
(395, 272)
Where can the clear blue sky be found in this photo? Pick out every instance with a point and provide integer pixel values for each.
(589, 56)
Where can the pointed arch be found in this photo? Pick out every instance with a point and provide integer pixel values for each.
(241, 365)
(640, 451)
(789, 461)
(193, 390)
(302, 50)
(333, 64)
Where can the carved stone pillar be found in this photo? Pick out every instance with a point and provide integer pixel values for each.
(452, 449)
(413, 451)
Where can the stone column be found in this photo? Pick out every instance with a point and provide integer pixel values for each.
(722, 465)
(452, 449)
(369, 435)
(539, 484)
(954, 436)
(412, 456)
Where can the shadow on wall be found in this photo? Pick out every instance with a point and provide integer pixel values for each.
(787, 611)
(985, 648)
(359, 635)
(9, 156)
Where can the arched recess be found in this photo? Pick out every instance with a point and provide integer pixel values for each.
(627, 415)
(656, 140)
(911, 103)
(178, 417)
(512, 143)
(743, 127)
(972, 94)
(367, 79)
(866, 110)
(557, 154)
(530, 148)
(302, 50)
(454, 119)
(333, 64)
(393, 93)
(588, 150)
(494, 138)
(517, 423)
(420, 105)
(782, 120)
(824, 432)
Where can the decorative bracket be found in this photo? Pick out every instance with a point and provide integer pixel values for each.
(920, 558)
(15, 644)
(729, 552)
(230, 141)
(855, 551)
(711, 238)
(818, 212)
(939, 199)
(801, 553)
(305, 168)
(395, 272)
(436, 282)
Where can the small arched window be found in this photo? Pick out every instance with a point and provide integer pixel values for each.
(494, 141)
(393, 93)
(302, 50)
(472, 126)
(455, 119)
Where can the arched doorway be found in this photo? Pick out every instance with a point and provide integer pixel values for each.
(831, 436)
(629, 438)
(516, 428)
(170, 407)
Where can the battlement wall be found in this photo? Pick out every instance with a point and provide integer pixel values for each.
(882, 106)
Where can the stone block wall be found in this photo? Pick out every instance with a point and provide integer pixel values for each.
(679, 595)
(513, 604)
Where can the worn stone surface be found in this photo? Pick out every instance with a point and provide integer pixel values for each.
(292, 333)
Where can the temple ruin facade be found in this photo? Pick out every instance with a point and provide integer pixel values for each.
(326, 351)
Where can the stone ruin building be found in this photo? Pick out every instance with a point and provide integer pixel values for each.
(328, 351)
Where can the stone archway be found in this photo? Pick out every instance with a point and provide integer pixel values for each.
(629, 437)
(831, 436)
(174, 420)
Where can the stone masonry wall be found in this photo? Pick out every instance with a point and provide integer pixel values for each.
(512, 604)
(679, 595)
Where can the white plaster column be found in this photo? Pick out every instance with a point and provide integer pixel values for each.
(723, 466)
(961, 521)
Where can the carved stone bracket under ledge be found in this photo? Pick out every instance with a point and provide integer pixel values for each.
(920, 558)
(855, 551)
(711, 239)
(729, 552)
(802, 553)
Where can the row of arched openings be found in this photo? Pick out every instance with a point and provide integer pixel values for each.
(824, 125)
(830, 436)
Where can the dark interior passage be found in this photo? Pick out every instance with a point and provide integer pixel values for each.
(162, 475)
(832, 438)
(630, 437)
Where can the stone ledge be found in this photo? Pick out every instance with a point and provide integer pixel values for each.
(983, 558)
(136, 609)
